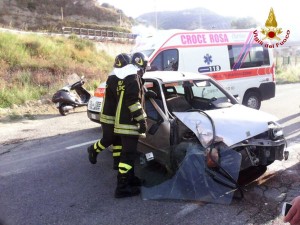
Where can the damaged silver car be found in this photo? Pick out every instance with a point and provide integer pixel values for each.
(191, 111)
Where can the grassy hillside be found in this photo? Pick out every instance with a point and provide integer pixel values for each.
(52, 15)
(32, 66)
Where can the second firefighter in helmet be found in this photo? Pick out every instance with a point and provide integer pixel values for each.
(107, 115)
(130, 122)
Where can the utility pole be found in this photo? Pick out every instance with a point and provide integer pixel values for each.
(62, 13)
(155, 8)
(120, 19)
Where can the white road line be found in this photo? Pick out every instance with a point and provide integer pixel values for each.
(42, 154)
(79, 145)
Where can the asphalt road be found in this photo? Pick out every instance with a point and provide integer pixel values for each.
(45, 177)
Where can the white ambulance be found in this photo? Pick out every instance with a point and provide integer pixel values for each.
(233, 57)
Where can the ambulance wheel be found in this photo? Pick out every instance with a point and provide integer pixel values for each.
(252, 100)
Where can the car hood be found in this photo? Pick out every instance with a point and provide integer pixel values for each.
(233, 124)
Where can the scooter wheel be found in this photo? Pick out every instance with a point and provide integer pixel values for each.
(62, 111)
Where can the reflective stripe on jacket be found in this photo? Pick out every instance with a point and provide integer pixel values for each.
(129, 110)
(109, 104)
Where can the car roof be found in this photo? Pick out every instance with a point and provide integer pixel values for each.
(171, 76)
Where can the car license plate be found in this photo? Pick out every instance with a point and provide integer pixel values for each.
(93, 116)
(57, 104)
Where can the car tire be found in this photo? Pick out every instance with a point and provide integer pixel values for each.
(252, 99)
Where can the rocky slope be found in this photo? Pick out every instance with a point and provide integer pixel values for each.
(53, 14)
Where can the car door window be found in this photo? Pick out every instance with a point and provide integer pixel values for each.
(152, 104)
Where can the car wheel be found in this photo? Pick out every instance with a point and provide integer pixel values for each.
(251, 174)
(62, 111)
(252, 100)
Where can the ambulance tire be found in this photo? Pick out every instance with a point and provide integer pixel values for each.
(252, 99)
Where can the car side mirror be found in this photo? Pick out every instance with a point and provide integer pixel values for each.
(150, 94)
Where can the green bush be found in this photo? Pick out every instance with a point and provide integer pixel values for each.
(17, 95)
(288, 74)
(31, 65)
(12, 50)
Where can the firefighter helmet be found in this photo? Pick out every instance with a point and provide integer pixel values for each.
(122, 60)
(140, 60)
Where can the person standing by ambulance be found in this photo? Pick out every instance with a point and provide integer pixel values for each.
(108, 111)
(130, 123)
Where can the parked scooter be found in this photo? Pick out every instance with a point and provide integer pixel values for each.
(65, 100)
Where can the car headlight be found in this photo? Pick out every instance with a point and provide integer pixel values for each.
(275, 130)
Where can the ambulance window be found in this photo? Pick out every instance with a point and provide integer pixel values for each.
(166, 61)
(256, 56)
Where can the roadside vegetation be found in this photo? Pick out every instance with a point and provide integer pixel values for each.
(33, 66)
(286, 74)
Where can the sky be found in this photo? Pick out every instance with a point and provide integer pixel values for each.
(285, 11)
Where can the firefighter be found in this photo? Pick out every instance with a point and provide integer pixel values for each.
(107, 116)
(130, 123)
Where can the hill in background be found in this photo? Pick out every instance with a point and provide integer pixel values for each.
(51, 15)
(197, 18)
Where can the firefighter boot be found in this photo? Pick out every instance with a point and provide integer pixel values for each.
(124, 189)
(92, 154)
(134, 180)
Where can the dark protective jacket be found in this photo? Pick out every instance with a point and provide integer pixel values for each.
(130, 95)
(109, 104)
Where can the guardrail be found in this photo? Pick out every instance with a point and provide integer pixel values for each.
(99, 35)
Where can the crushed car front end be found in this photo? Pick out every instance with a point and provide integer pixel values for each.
(264, 148)
(255, 135)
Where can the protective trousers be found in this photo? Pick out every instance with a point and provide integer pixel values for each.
(129, 153)
(128, 183)
(109, 138)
